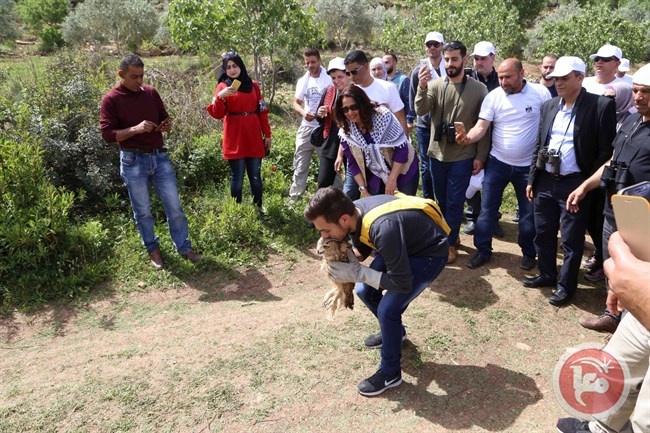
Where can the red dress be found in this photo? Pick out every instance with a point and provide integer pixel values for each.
(244, 128)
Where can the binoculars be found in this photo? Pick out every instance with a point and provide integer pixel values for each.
(616, 176)
(448, 129)
(549, 156)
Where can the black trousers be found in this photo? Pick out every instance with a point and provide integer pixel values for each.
(552, 216)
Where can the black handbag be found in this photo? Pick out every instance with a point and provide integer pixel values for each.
(316, 138)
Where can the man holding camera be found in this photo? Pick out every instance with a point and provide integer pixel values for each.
(629, 165)
(454, 99)
(576, 134)
(514, 111)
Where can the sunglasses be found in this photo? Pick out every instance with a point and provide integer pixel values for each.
(603, 59)
(228, 55)
(433, 44)
(354, 71)
(353, 107)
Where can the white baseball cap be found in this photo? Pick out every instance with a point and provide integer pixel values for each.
(567, 64)
(642, 76)
(608, 51)
(336, 63)
(475, 184)
(624, 66)
(483, 49)
(434, 36)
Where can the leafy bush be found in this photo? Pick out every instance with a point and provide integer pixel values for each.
(45, 17)
(464, 20)
(45, 256)
(124, 22)
(349, 22)
(596, 25)
(8, 30)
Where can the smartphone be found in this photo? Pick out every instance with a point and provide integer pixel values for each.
(162, 124)
(235, 84)
(460, 127)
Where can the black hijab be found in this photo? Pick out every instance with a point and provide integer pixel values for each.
(246, 81)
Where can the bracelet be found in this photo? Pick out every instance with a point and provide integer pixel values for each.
(363, 188)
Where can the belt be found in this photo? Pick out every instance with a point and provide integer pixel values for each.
(565, 176)
(142, 151)
(241, 113)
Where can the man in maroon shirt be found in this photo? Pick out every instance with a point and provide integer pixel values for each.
(134, 116)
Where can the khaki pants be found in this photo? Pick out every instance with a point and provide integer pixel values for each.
(630, 343)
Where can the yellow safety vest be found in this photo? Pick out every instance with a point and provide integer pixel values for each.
(403, 202)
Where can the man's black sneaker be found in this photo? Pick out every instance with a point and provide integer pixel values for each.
(378, 383)
(572, 425)
(374, 341)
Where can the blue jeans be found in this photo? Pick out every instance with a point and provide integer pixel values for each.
(350, 187)
(389, 307)
(497, 177)
(253, 167)
(423, 136)
(450, 181)
(140, 170)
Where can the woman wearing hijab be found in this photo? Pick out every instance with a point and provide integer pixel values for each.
(246, 130)
(378, 69)
(379, 154)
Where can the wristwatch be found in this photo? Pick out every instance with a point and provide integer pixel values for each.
(363, 188)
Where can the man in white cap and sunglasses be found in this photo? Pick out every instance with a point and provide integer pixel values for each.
(606, 63)
(433, 43)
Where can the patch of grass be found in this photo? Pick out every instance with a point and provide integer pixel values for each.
(438, 343)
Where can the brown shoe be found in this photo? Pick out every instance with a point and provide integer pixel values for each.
(192, 257)
(603, 323)
(452, 255)
(156, 258)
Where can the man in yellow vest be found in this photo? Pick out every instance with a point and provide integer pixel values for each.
(409, 237)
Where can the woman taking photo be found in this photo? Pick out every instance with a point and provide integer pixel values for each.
(325, 114)
(246, 130)
(379, 155)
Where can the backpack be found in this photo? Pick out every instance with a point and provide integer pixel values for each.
(403, 202)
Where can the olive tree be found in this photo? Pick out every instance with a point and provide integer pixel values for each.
(127, 23)
(8, 30)
(348, 22)
(45, 18)
(275, 30)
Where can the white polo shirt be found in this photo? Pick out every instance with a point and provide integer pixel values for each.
(515, 122)
(384, 93)
(310, 93)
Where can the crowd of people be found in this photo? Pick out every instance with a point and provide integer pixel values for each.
(566, 144)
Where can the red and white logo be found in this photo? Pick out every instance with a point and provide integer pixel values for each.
(590, 382)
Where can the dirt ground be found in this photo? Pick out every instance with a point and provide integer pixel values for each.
(255, 353)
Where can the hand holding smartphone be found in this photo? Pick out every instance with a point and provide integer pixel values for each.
(162, 124)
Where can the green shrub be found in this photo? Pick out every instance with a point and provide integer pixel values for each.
(45, 18)
(45, 255)
(8, 29)
(200, 164)
(127, 23)
(595, 25)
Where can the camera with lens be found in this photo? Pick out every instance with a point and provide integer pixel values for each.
(448, 129)
(615, 177)
(549, 156)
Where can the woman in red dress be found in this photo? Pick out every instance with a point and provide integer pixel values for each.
(246, 130)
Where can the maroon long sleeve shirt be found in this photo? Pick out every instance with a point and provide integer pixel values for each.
(122, 108)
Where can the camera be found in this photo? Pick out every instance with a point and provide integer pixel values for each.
(448, 129)
(549, 156)
(616, 176)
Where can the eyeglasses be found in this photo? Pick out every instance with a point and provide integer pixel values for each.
(433, 44)
(354, 71)
(604, 59)
(453, 46)
(353, 107)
